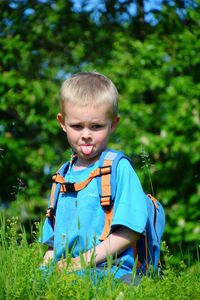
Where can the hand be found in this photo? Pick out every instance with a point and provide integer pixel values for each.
(62, 265)
(48, 256)
(74, 265)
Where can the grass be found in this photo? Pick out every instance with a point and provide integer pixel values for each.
(20, 277)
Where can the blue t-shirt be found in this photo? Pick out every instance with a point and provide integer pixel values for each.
(80, 217)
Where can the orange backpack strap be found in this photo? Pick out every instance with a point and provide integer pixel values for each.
(106, 196)
(154, 200)
(106, 199)
(66, 187)
(107, 187)
(106, 193)
(103, 173)
(49, 211)
(107, 224)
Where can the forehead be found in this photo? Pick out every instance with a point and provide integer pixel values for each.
(88, 112)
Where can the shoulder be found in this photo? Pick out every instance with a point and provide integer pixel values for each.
(113, 155)
(121, 163)
(63, 168)
(125, 165)
(125, 162)
(126, 173)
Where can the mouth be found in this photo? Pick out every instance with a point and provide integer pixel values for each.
(86, 149)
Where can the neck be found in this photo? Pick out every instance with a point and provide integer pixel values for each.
(82, 164)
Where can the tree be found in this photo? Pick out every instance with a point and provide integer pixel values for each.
(155, 65)
(159, 88)
(34, 57)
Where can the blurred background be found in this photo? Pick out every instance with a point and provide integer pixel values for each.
(151, 51)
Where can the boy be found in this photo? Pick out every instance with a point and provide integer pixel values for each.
(89, 114)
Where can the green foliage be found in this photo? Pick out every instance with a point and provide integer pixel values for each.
(18, 260)
(21, 278)
(155, 66)
(159, 93)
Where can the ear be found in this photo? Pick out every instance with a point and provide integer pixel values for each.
(115, 123)
(61, 120)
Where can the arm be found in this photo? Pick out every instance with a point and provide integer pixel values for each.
(115, 243)
(130, 208)
(48, 256)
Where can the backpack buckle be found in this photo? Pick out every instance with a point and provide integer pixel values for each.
(49, 212)
(105, 170)
(67, 187)
(106, 201)
(154, 200)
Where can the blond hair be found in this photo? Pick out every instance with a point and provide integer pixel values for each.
(90, 89)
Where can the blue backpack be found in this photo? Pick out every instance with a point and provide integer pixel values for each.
(147, 248)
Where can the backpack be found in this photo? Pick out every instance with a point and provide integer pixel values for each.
(147, 248)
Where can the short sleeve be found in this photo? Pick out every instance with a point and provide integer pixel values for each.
(47, 236)
(130, 208)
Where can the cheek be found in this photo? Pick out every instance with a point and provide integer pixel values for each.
(71, 135)
(103, 136)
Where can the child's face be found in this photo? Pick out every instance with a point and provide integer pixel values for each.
(87, 129)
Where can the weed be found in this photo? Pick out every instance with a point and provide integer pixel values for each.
(146, 165)
(21, 277)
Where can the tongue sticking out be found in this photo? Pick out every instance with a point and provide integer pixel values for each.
(86, 149)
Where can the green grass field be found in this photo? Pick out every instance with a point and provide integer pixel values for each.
(20, 277)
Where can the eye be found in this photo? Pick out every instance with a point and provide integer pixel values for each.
(97, 126)
(76, 126)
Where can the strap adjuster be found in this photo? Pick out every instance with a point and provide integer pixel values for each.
(154, 200)
(106, 201)
(67, 187)
(50, 212)
(104, 170)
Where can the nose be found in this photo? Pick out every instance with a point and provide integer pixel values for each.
(86, 134)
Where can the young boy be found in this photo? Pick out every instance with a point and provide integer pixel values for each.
(89, 114)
